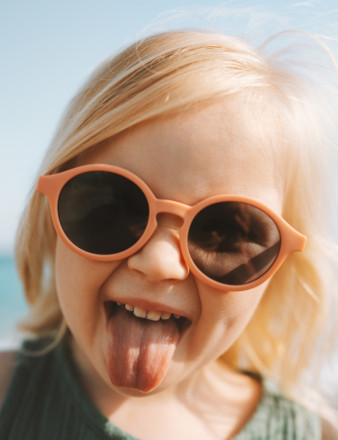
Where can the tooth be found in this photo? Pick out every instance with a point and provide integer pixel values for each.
(140, 313)
(153, 315)
(129, 307)
(165, 316)
(177, 316)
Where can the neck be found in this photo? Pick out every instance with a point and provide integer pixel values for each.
(215, 399)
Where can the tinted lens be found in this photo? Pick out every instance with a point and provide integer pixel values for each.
(233, 243)
(102, 212)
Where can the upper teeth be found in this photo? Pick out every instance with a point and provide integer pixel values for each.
(152, 315)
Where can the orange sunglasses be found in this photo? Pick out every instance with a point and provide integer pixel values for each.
(107, 213)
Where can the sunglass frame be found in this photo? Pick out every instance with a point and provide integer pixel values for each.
(291, 240)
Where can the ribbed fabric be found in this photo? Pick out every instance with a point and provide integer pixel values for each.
(278, 418)
(45, 402)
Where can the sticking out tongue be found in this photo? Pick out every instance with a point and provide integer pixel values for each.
(139, 350)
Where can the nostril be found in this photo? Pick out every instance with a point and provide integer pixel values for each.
(160, 258)
(137, 272)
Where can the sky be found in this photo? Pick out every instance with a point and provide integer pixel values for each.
(49, 47)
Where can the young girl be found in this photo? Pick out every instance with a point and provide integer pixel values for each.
(174, 253)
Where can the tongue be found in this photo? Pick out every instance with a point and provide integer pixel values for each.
(139, 350)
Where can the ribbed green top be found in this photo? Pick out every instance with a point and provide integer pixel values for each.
(45, 402)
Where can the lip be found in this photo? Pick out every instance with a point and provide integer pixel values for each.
(150, 305)
(183, 322)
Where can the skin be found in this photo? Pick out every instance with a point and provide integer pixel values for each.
(205, 152)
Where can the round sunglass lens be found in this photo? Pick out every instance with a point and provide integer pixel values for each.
(102, 212)
(233, 243)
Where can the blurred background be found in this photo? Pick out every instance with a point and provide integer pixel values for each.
(47, 50)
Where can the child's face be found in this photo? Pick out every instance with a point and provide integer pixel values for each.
(216, 150)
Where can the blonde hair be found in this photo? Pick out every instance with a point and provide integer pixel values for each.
(172, 72)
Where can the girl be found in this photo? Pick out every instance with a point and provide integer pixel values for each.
(184, 174)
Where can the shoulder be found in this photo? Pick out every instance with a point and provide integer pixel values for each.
(286, 415)
(279, 417)
(7, 363)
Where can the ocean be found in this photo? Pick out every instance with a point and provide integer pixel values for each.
(12, 302)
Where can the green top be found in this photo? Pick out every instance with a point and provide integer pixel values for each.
(45, 401)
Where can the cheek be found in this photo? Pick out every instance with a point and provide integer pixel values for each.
(78, 283)
(229, 313)
(240, 306)
(74, 293)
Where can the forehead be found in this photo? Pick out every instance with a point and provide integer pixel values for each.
(219, 148)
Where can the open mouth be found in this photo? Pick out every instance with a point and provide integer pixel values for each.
(141, 344)
(112, 307)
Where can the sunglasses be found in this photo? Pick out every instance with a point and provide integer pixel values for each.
(107, 213)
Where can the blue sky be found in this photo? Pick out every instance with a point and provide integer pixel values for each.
(49, 47)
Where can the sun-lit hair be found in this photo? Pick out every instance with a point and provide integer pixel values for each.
(178, 71)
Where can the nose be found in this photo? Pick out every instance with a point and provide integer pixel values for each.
(160, 259)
